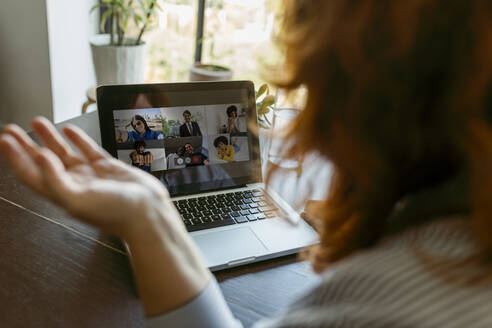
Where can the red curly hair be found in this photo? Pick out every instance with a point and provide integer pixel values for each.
(399, 97)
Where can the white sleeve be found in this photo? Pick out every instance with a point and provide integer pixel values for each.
(207, 310)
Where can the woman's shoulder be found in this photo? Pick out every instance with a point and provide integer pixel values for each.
(410, 279)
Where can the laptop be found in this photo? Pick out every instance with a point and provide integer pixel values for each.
(199, 140)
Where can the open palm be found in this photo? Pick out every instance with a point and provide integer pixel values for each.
(92, 186)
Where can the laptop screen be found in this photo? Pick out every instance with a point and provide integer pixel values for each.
(193, 137)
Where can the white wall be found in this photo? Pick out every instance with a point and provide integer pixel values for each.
(70, 27)
(25, 82)
(45, 59)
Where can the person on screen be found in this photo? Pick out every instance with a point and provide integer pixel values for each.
(232, 121)
(224, 150)
(173, 161)
(189, 128)
(142, 131)
(141, 158)
(195, 158)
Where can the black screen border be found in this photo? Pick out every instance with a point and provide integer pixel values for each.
(117, 97)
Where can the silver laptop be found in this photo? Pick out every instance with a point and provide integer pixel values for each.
(200, 140)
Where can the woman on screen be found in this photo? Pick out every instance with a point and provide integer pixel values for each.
(141, 130)
(232, 121)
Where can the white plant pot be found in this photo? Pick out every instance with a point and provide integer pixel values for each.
(197, 73)
(123, 64)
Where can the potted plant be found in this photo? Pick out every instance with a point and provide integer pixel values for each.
(210, 72)
(119, 58)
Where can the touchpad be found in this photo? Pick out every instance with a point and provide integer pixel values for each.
(220, 247)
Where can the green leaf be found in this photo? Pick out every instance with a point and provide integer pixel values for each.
(97, 5)
(269, 100)
(104, 17)
(263, 110)
(261, 90)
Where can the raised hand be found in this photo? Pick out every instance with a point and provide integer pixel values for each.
(118, 198)
(92, 186)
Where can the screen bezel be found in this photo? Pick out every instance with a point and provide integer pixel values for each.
(117, 97)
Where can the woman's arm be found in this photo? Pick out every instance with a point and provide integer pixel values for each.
(168, 268)
(169, 271)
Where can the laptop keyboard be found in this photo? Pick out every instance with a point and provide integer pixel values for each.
(224, 209)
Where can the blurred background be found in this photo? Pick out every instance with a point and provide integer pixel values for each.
(46, 65)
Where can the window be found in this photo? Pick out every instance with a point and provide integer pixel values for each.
(237, 34)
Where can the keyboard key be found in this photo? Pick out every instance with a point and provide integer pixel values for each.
(196, 221)
(253, 211)
(187, 216)
(241, 219)
(226, 216)
(255, 199)
(206, 219)
(267, 208)
(187, 222)
(235, 208)
(257, 193)
(247, 201)
(216, 217)
(244, 206)
(213, 224)
(244, 212)
(262, 203)
(260, 216)
(253, 205)
(235, 214)
(270, 214)
(248, 195)
(251, 217)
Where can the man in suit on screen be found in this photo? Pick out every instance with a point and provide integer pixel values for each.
(189, 128)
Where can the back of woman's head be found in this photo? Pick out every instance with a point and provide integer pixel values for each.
(398, 96)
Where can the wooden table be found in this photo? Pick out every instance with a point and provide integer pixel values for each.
(57, 272)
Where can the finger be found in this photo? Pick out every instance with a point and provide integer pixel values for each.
(21, 163)
(50, 137)
(21, 136)
(88, 147)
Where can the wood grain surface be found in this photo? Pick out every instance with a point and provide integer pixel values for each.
(58, 272)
